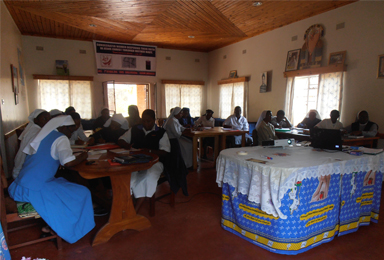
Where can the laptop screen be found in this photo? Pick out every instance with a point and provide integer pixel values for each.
(329, 139)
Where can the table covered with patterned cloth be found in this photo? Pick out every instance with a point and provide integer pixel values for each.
(300, 198)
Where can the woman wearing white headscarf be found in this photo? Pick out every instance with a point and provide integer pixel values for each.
(363, 126)
(265, 130)
(115, 127)
(37, 119)
(311, 119)
(175, 130)
(66, 207)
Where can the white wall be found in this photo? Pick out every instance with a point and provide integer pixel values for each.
(362, 38)
(182, 66)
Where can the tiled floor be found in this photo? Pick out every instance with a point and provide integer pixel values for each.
(192, 230)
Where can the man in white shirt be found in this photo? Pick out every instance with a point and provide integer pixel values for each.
(280, 121)
(206, 121)
(238, 122)
(146, 136)
(331, 123)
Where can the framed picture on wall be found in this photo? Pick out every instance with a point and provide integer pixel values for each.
(264, 82)
(292, 60)
(15, 79)
(337, 57)
(380, 67)
(233, 74)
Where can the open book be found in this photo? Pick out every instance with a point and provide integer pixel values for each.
(26, 210)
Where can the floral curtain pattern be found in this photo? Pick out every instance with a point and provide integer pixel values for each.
(190, 96)
(232, 95)
(60, 94)
(330, 93)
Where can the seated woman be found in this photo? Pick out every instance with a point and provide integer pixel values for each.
(175, 130)
(100, 121)
(311, 119)
(66, 207)
(78, 136)
(134, 116)
(362, 126)
(147, 136)
(186, 119)
(115, 127)
(265, 130)
(37, 119)
(206, 121)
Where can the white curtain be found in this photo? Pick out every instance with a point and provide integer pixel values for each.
(330, 93)
(60, 94)
(232, 95)
(190, 96)
(289, 98)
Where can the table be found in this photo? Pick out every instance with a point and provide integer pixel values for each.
(298, 135)
(216, 132)
(300, 198)
(123, 215)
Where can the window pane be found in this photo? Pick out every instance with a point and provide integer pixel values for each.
(81, 98)
(191, 97)
(54, 94)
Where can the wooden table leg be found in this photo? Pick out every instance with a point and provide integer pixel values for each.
(216, 149)
(194, 152)
(123, 215)
(243, 140)
(223, 144)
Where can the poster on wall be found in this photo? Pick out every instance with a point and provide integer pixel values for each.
(125, 59)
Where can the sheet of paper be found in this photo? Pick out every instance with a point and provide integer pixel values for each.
(93, 157)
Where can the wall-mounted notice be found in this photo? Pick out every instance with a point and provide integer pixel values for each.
(125, 59)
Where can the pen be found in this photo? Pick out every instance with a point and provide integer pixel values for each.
(267, 157)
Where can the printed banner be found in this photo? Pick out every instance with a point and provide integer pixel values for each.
(125, 59)
(318, 209)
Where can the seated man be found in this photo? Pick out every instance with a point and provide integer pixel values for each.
(238, 122)
(206, 121)
(363, 126)
(101, 120)
(280, 121)
(331, 123)
(149, 137)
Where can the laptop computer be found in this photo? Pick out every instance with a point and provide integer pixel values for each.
(329, 139)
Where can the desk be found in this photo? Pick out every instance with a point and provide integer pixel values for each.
(298, 201)
(215, 132)
(123, 215)
(298, 135)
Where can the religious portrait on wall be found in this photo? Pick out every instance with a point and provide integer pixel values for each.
(312, 50)
(263, 86)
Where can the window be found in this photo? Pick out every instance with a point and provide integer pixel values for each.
(232, 95)
(321, 92)
(184, 95)
(60, 94)
(122, 95)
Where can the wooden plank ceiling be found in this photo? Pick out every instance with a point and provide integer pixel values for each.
(163, 23)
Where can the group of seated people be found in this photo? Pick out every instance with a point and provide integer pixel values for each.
(46, 144)
(265, 127)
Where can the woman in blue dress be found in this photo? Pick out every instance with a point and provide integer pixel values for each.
(66, 207)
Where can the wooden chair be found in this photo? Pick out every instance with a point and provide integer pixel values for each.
(12, 222)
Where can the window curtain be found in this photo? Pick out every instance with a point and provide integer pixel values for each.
(330, 93)
(232, 95)
(190, 96)
(60, 94)
(289, 98)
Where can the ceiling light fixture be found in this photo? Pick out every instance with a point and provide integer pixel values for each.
(257, 3)
(191, 37)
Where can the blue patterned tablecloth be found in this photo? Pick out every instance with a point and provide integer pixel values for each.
(313, 210)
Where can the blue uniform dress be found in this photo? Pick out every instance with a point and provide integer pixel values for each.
(66, 207)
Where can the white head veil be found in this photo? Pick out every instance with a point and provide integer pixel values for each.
(119, 118)
(46, 130)
(175, 111)
(261, 118)
(313, 110)
(55, 112)
(31, 119)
